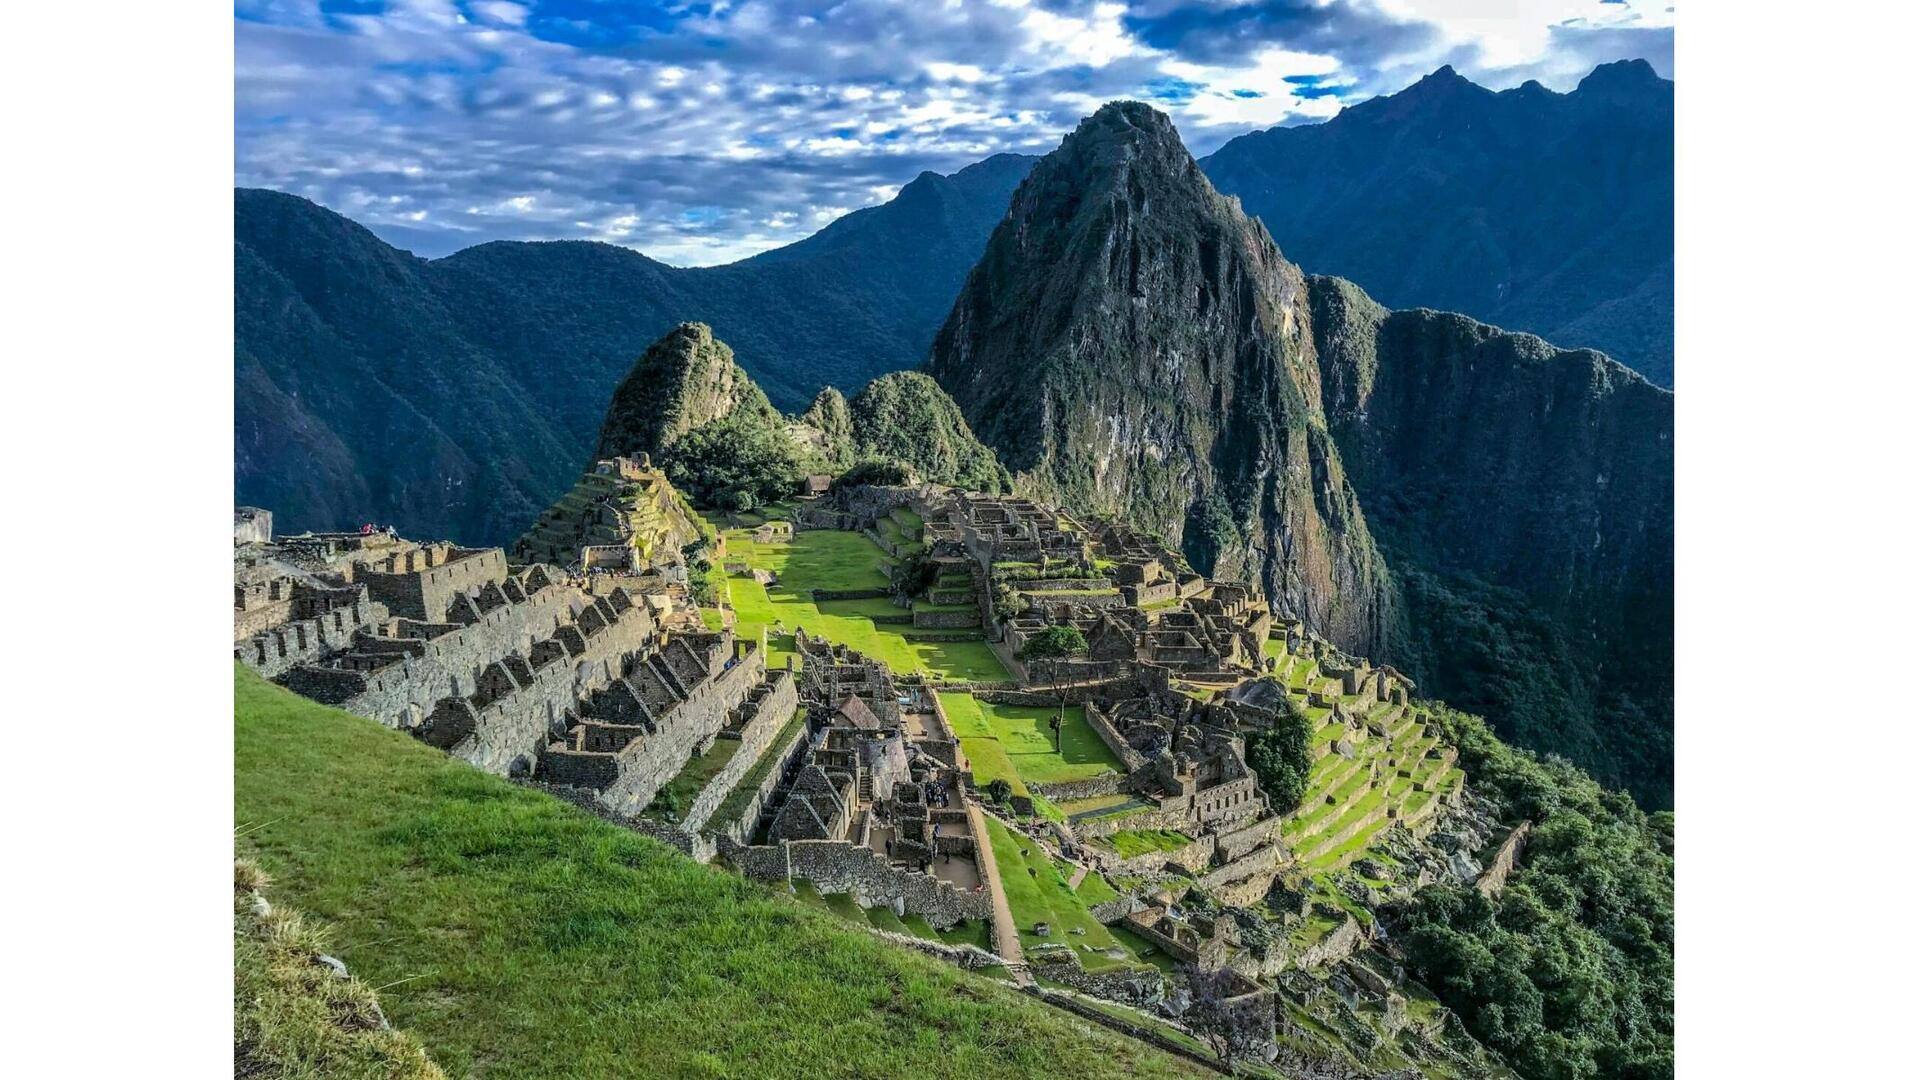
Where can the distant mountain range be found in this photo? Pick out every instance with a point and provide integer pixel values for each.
(458, 396)
(1536, 211)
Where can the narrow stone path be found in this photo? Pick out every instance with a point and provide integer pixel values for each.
(1006, 935)
(1079, 875)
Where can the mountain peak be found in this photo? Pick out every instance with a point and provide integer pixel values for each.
(1121, 122)
(1621, 76)
(683, 381)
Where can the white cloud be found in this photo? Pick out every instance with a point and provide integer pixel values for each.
(756, 121)
(500, 12)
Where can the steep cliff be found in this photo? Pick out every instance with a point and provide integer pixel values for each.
(1524, 496)
(1131, 343)
(1480, 508)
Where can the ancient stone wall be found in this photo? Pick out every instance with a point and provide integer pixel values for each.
(1092, 787)
(1494, 880)
(967, 619)
(1110, 735)
(1256, 863)
(1174, 817)
(737, 828)
(836, 866)
(1238, 842)
(446, 665)
(274, 652)
(424, 592)
(1233, 799)
(647, 763)
(769, 715)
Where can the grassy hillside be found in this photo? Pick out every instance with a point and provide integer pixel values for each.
(293, 1016)
(515, 935)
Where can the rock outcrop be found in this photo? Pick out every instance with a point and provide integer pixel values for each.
(684, 381)
(1132, 343)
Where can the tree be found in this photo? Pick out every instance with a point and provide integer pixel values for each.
(735, 463)
(1054, 644)
(1281, 757)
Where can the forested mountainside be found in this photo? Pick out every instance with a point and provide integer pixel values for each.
(1533, 210)
(459, 396)
(1132, 343)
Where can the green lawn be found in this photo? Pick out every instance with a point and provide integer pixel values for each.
(823, 559)
(518, 936)
(1026, 742)
(1131, 842)
(1037, 892)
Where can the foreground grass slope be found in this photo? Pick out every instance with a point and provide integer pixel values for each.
(293, 1017)
(515, 935)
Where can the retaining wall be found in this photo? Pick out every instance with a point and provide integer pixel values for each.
(771, 714)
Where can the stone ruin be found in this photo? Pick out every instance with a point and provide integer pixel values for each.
(491, 661)
(876, 806)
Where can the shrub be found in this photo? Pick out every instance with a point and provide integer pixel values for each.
(1281, 757)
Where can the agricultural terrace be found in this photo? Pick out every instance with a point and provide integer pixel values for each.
(516, 935)
(1014, 743)
(1399, 770)
(843, 561)
(1038, 892)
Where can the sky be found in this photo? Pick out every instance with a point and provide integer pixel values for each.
(702, 133)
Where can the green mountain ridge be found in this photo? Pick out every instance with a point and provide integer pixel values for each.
(459, 396)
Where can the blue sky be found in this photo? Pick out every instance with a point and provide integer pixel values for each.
(701, 133)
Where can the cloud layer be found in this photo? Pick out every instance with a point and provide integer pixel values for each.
(700, 133)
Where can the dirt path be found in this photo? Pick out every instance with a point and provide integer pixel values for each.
(1006, 936)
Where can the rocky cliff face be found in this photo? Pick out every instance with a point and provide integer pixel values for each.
(684, 381)
(1524, 496)
(1131, 343)
(1486, 511)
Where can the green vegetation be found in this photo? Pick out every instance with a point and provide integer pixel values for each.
(1096, 804)
(1019, 740)
(1282, 756)
(1131, 842)
(1037, 892)
(672, 800)
(742, 460)
(903, 422)
(1054, 643)
(1570, 972)
(838, 561)
(506, 925)
(735, 803)
(293, 1017)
